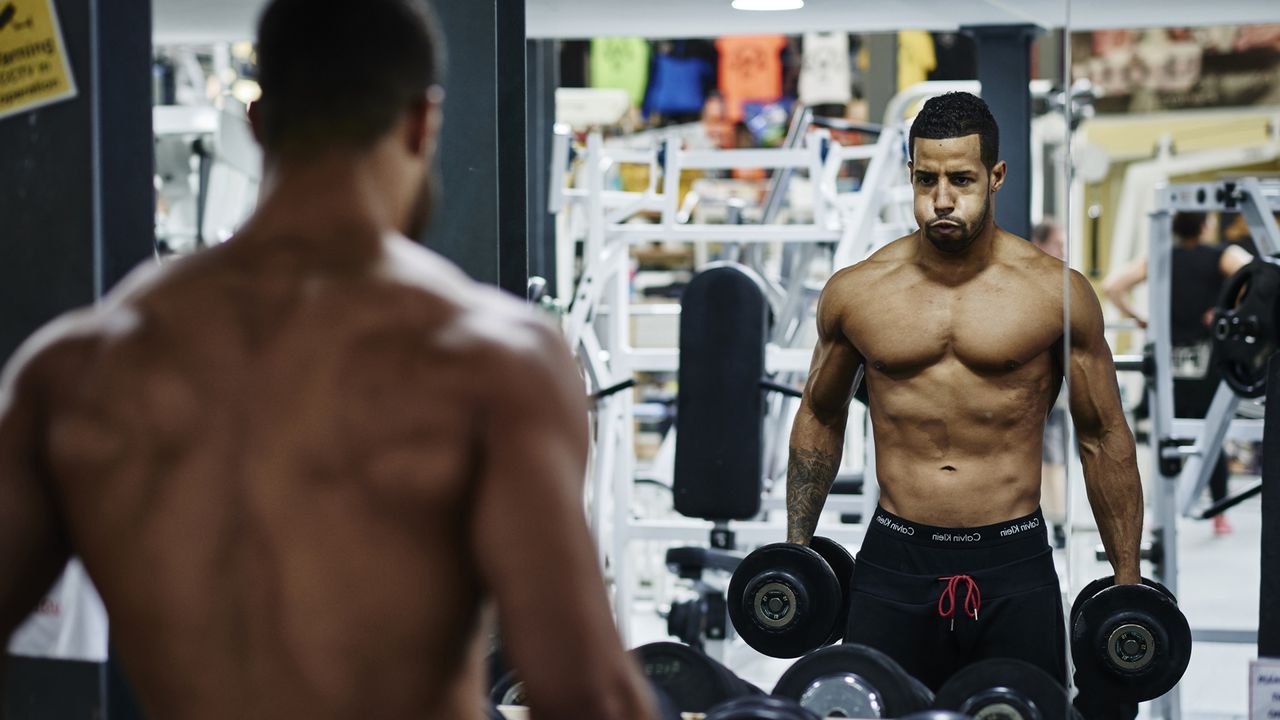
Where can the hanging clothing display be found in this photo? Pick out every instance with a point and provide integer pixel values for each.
(750, 69)
(916, 57)
(678, 85)
(825, 76)
(621, 63)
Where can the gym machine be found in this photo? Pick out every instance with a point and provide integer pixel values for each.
(1183, 470)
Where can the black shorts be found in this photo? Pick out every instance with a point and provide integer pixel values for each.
(938, 599)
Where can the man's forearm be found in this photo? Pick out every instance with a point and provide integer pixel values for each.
(1115, 494)
(811, 469)
(1121, 301)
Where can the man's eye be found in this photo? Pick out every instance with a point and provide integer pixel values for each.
(926, 180)
(962, 181)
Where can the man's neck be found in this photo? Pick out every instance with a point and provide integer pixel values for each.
(955, 268)
(335, 197)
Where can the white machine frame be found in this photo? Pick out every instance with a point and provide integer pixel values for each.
(1177, 494)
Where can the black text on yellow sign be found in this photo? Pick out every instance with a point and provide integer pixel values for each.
(33, 59)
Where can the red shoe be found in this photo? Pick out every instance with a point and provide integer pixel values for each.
(1221, 525)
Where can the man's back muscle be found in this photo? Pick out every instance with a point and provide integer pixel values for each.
(279, 451)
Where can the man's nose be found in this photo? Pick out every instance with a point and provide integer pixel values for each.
(944, 199)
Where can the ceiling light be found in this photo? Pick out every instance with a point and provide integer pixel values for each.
(767, 5)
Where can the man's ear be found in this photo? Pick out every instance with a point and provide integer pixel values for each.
(997, 175)
(417, 126)
(423, 121)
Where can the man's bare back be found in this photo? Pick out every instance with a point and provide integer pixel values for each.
(300, 465)
(271, 464)
(961, 371)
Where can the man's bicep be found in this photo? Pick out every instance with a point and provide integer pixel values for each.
(1095, 393)
(835, 370)
(536, 554)
(33, 545)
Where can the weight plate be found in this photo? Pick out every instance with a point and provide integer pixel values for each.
(850, 681)
(1245, 327)
(784, 600)
(763, 707)
(1096, 586)
(841, 563)
(694, 682)
(508, 691)
(1134, 640)
(1004, 688)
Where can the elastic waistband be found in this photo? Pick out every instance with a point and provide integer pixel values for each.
(1031, 573)
(1030, 527)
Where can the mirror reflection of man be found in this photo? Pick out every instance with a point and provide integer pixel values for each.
(957, 329)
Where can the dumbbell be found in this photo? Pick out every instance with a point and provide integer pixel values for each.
(760, 707)
(853, 681)
(1005, 689)
(509, 690)
(786, 600)
(694, 682)
(1129, 642)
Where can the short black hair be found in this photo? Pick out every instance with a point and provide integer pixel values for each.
(337, 75)
(953, 115)
(1188, 224)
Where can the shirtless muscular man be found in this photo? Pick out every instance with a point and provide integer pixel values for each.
(298, 466)
(957, 329)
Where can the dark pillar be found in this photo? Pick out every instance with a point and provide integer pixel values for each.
(543, 77)
(1268, 608)
(481, 218)
(77, 203)
(882, 81)
(1004, 68)
(78, 211)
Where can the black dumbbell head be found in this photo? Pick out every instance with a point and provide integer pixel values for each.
(851, 681)
(1131, 640)
(841, 563)
(1006, 688)
(694, 682)
(784, 600)
(761, 707)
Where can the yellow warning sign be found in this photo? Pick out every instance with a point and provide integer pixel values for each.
(33, 59)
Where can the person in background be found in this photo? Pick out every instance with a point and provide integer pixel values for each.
(1199, 271)
(1048, 236)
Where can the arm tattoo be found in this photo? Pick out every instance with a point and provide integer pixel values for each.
(810, 474)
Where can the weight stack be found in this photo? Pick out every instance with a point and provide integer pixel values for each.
(1269, 587)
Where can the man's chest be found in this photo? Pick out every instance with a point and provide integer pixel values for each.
(988, 330)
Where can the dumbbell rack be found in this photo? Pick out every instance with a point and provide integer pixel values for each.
(1183, 470)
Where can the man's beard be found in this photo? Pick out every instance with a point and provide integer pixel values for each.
(960, 240)
(423, 207)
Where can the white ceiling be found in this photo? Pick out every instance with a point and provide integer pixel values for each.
(180, 21)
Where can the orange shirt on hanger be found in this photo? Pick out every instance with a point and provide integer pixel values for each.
(750, 69)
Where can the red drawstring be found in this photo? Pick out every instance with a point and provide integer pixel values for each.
(947, 602)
